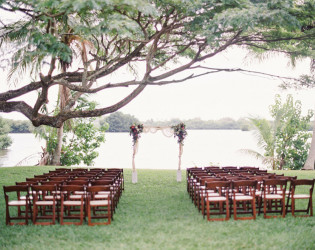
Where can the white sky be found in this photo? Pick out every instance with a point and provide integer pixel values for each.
(209, 97)
(220, 95)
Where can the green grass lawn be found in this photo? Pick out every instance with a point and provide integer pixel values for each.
(157, 213)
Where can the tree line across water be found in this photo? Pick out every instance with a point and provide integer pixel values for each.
(120, 122)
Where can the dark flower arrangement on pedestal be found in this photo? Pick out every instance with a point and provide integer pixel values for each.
(135, 131)
(180, 132)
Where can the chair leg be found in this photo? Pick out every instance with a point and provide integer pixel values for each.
(283, 208)
(254, 209)
(7, 218)
(61, 214)
(293, 206)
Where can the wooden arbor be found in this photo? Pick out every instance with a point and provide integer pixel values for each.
(178, 131)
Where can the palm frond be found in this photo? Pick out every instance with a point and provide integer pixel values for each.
(253, 153)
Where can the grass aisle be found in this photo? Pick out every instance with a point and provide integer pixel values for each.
(157, 213)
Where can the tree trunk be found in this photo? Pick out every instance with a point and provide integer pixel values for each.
(57, 153)
(309, 164)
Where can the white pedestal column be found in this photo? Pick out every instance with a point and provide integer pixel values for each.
(134, 177)
(179, 175)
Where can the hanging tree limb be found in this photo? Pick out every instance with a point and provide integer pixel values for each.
(164, 38)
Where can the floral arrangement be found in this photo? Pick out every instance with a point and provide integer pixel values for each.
(135, 131)
(180, 132)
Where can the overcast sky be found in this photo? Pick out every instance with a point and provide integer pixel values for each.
(210, 97)
(220, 95)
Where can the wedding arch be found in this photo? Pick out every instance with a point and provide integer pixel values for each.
(178, 131)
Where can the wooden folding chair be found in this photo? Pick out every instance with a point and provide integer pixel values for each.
(244, 199)
(44, 196)
(96, 201)
(70, 199)
(219, 197)
(16, 201)
(274, 192)
(114, 193)
(307, 187)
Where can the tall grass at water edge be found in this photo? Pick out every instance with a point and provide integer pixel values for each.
(157, 213)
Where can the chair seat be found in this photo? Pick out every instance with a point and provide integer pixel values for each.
(99, 203)
(239, 194)
(72, 203)
(75, 196)
(50, 197)
(24, 197)
(17, 203)
(101, 196)
(301, 196)
(44, 203)
(80, 192)
(215, 198)
(104, 192)
(204, 192)
(243, 197)
(274, 196)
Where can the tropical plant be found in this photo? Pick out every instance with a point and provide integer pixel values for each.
(292, 134)
(265, 135)
(285, 140)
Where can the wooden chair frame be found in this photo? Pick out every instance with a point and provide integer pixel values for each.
(18, 189)
(94, 202)
(274, 190)
(71, 199)
(244, 193)
(220, 197)
(294, 196)
(40, 195)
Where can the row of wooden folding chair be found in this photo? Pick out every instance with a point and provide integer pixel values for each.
(60, 177)
(81, 174)
(44, 203)
(270, 195)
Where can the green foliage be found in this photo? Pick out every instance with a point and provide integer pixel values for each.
(81, 137)
(5, 140)
(48, 35)
(119, 122)
(82, 144)
(79, 143)
(285, 141)
(168, 36)
(292, 144)
(20, 126)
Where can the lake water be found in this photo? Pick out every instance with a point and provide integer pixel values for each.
(201, 148)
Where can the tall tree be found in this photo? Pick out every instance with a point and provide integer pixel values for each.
(164, 37)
